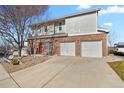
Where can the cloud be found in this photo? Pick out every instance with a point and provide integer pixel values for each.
(112, 10)
(83, 7)
(107, 24)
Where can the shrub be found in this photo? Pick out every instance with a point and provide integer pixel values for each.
(15, 61)
(110, 50)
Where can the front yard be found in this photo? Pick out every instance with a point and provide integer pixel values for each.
(118, 67)
(26, 62)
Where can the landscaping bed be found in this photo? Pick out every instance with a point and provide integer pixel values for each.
(118, 67)
(25, 62)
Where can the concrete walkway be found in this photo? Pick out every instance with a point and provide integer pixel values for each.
(5, 80)
(112, 58)
(69, 72)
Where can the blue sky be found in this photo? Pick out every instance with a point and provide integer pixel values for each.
(111, 17)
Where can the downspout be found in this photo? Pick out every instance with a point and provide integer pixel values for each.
(53, 39)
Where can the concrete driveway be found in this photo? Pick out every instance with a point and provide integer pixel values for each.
(5, 80)
(68, 72)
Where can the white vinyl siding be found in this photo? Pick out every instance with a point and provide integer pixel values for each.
(91, 49)
(67, 49)
(79, 25)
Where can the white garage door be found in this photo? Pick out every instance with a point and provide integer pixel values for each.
(67, 49)
(91, 49)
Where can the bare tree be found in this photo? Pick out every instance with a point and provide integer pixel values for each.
(5, 46)
(112, 36)
(14, 21)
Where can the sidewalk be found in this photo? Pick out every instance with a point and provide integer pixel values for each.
(5, 80)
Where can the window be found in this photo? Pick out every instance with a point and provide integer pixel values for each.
(60, 26)
(33, 32)
(45, 28)
(40, 31)
(120, 46)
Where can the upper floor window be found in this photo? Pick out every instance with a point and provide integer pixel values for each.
(45, 28)
(32, 31)
(40, 31)
(60, 26)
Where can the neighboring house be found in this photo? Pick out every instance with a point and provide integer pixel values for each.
(71, 35)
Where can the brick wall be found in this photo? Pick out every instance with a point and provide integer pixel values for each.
(77, 40)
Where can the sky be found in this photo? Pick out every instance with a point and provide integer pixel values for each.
(110, 17)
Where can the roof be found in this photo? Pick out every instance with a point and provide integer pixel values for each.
(68, 16)
(100, 29)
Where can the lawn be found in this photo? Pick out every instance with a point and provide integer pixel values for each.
(118, 67)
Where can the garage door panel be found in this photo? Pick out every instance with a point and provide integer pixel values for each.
(91, 49)
(67, 49)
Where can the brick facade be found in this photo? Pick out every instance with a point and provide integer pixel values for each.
(77, 39)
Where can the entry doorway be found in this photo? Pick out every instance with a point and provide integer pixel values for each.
(40, 48)
(48, 48)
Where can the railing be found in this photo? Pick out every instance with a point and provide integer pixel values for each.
(49, 35)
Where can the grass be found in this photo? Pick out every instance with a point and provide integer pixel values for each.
(118, 67)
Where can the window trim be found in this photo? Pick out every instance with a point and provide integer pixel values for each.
(60, 26)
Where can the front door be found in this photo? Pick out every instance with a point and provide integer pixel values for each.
(40, 48)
